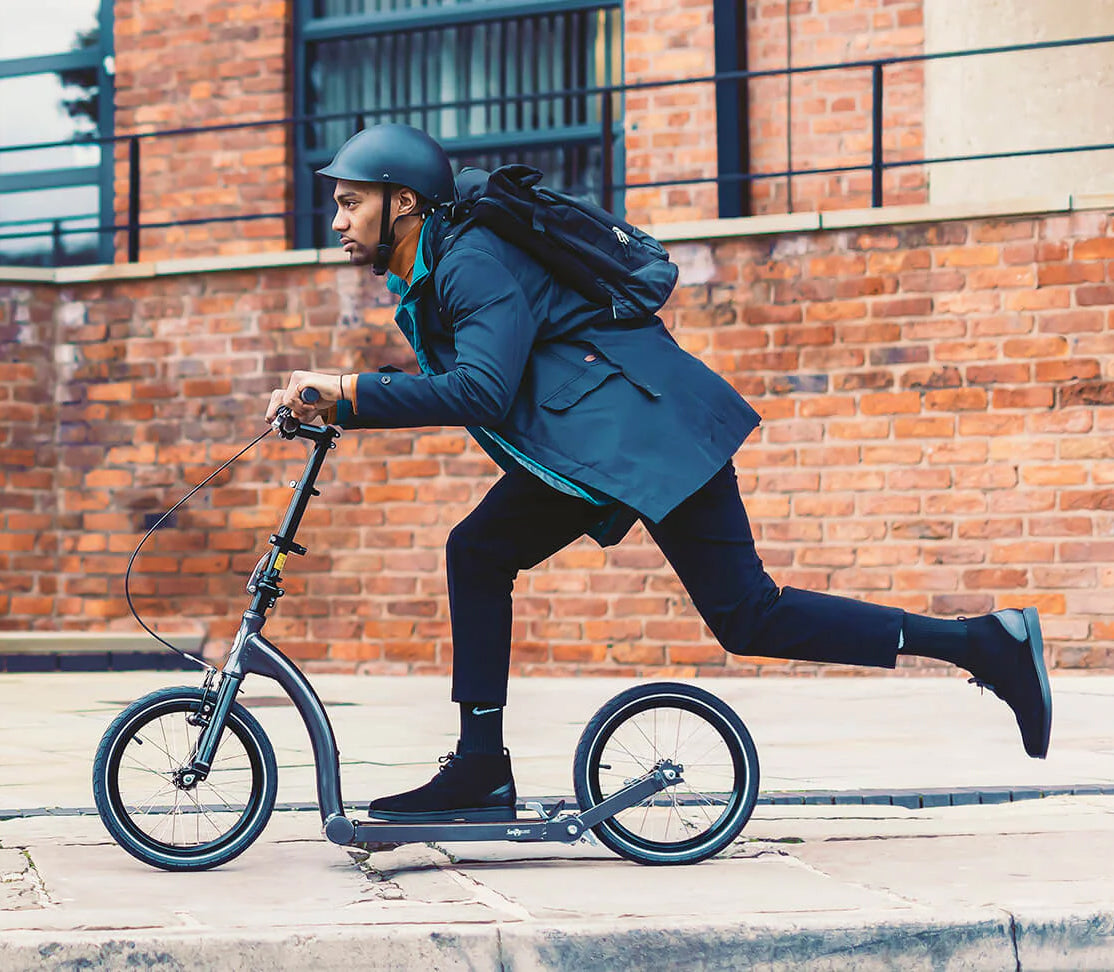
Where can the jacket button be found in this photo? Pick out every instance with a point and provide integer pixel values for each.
(385, 380)
(589, 357)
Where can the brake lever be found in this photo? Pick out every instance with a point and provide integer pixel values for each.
(285, 424)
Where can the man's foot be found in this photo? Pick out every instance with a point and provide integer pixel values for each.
(468, 786)
(1007, 657)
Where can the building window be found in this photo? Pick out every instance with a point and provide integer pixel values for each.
(359, 62)
(56, 86)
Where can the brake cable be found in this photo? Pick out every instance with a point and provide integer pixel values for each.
(127, 575)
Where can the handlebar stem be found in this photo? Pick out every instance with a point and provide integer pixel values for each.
(268, 589)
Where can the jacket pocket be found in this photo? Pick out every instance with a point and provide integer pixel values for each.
(573, 390)
(631, 373)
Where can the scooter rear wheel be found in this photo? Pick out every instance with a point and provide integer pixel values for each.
(688, 821)
(164, 819)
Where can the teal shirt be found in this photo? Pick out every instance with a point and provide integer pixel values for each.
(493, 443)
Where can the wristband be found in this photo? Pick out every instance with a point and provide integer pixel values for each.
(348, 390)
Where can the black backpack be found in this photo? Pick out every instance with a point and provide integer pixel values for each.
(608, 261)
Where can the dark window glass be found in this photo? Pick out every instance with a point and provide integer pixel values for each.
(43, 227)
(399, 76)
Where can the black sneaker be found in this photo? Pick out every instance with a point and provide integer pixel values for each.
(1008, 659)
(468, 786)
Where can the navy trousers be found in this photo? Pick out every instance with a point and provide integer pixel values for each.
(708, 542)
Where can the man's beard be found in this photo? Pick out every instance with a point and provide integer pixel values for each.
(360, 256)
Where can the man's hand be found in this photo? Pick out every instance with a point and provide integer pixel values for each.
(290, 396)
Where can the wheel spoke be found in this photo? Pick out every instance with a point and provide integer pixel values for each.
(638, 762)
(209, 783)
(154, 745)
(166, 743)
(143, 767)
(208, 816)
(149, 803)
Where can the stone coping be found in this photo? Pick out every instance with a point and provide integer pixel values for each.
(82, 642)
(708, 229)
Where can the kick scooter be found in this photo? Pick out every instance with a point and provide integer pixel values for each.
(185, 779)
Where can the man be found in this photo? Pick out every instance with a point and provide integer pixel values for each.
(596, 423)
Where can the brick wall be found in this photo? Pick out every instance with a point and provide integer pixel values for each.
(194, 64)
(30, 447)
(938, 434)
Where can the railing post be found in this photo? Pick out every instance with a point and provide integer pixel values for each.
(133, 200)
(876, 136)
(607, 149)
(57, 252)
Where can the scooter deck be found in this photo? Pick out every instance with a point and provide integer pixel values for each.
(565, 829)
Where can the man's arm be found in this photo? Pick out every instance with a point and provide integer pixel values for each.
(494, 329)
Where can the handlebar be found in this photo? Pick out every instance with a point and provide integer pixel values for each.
(285, 424)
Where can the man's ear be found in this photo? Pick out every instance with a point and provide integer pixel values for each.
(407, 201)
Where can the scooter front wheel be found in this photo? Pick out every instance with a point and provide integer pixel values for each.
(698, 733)
(155, 811)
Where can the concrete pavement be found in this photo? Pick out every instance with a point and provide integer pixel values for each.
(1025, 884)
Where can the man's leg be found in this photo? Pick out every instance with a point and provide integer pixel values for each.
(707, 540)
(518, 524)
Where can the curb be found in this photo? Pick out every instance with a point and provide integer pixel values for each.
(1003, 941)
(917, 799)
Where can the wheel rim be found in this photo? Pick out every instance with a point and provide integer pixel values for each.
(689, 814)
(149, 800)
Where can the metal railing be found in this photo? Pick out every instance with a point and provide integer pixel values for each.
(608, 135)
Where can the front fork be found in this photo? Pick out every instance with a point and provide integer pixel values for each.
(216, 701)
(252, 654)
(218, 696)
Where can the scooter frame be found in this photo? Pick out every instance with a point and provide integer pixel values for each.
(252, 654)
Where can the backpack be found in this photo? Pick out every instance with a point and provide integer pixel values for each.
(606, 260)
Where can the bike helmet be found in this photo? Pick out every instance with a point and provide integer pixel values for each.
(394, 155)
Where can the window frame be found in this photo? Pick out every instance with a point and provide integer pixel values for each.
(309, 29)
(103, 173)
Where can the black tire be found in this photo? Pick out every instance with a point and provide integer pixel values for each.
(243, 781)
(668, 720)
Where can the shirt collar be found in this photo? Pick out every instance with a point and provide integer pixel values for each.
(396, 284)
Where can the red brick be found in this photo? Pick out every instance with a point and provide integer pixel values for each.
(1000, 578)
(927, 427)
(1100, 249)
(1022, 398)
(1087, 393)
(891, 403)
(958, 399)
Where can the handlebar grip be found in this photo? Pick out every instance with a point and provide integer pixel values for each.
(311, 396)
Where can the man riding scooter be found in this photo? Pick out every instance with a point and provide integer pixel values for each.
(596, 423)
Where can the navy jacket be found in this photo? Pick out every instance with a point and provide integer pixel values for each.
(618, 407)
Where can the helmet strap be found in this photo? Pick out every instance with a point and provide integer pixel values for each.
(386, 235)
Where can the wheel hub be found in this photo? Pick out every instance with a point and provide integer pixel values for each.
(186, 779)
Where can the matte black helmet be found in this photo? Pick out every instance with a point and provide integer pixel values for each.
(397, 154)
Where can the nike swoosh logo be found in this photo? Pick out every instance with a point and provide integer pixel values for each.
(484, 711)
